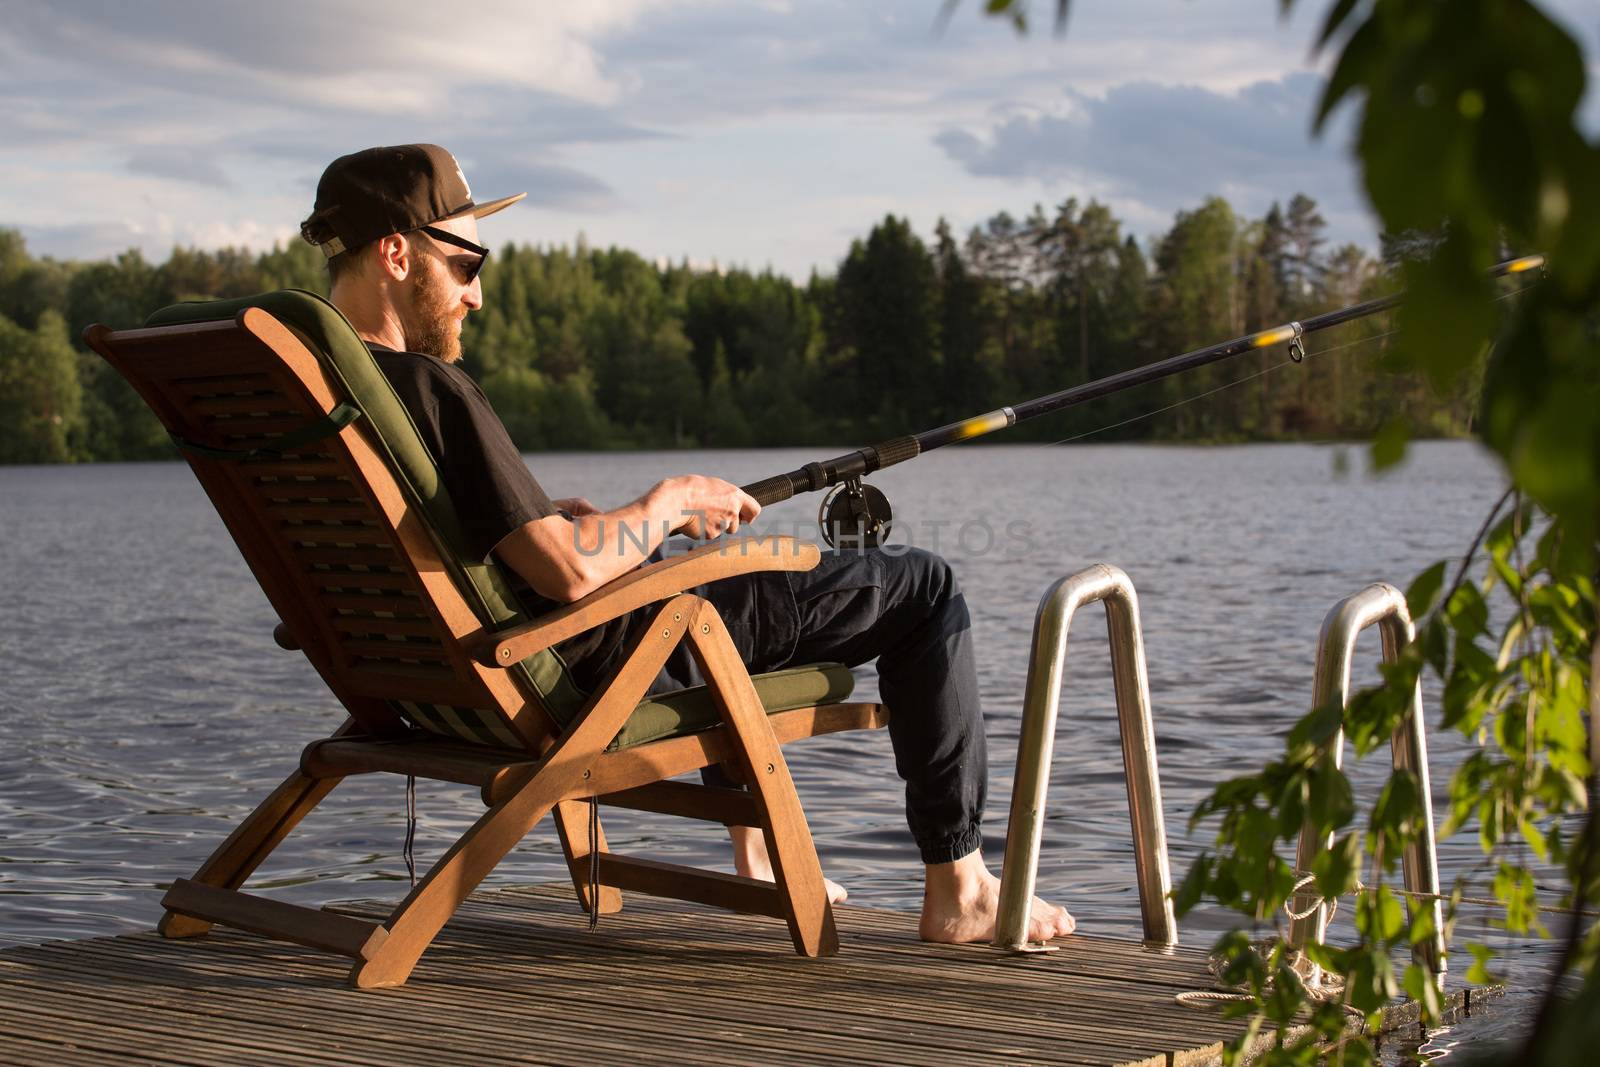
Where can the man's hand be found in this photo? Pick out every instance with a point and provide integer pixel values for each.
(707, 507)
(576, 506)
(565, 559)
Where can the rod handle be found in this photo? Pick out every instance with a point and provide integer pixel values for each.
(896, 450)
(771, 490)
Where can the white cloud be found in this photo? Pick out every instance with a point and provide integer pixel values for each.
(733, 130)
(1151, 150)
(377, 55)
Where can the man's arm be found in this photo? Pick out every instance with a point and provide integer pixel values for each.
(565, 559)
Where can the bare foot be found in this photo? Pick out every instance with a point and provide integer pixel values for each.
(750, 860)
(960, 901)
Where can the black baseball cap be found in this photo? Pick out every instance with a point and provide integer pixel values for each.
(395, 189)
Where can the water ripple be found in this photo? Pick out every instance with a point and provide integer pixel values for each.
(144, 708)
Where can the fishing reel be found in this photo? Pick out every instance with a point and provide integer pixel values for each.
(855, 515)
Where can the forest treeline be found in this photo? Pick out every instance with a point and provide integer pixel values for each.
(581, 348)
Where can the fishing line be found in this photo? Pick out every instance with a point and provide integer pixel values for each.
(1252, 377)
(862, 512)
(1222, 388)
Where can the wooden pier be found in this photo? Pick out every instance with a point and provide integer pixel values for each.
(516, 977)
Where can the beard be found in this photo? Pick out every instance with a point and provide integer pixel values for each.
(431, 327)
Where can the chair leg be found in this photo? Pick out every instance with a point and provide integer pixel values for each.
(572, 826)
(250, 843)
(794, 856)
(557, 777)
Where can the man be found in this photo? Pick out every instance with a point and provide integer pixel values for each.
(400, 229)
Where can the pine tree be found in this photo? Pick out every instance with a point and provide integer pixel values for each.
(886, 301)
(41, 399)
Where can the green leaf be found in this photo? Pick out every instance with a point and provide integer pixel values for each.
(1379, 918)
(1479, 973)
(1421, 987)
(1389, 446)
(1391, 915)
(1325, 956)
(1373, 714)
(1514, 885)
(1425, 588)
(1338, 869)
(1421, 928)
(1370, 982)
(1398, 808)
(1433, 641)
(1503, 537)
(1467, 612)
(1336, 18)
(1535, 839)
(1318, 726)
(1353, 70)
(1193, 887)
(1355, 1052)
(1331, 804)
(1507, 573)
(1292, 805)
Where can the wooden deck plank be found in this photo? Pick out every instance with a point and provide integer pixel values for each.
(147, 1023)
(955, 977)
(1039, 978)
(517, 977)
(443, 1007)
(956, 989)
(26, 1048)
(153, 1040)
(309, 1023)
(439, 1006)
(1097, 1018)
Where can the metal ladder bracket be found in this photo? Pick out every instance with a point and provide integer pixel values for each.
(1036, 746)
(1384, 606)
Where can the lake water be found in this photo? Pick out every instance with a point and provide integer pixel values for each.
(144, 708)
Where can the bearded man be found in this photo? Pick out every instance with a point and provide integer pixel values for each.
(400, 229)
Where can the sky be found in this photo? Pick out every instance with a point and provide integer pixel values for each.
(754, 133)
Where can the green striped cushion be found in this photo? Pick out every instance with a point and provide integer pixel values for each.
(685, 711)
(688, 711)
(467, 724)
(330, 336)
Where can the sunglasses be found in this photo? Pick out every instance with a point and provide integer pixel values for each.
(446, 237)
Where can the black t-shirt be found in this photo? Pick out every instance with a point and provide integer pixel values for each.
(493, 490)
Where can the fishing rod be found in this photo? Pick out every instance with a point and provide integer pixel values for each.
(861, 512)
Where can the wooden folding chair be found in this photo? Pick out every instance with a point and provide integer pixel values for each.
(321, 478)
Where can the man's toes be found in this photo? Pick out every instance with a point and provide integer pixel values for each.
(1050, 921)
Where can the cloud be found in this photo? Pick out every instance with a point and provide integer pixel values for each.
(727, 129)
(374, 55)
(1161, 139)
(82, 240)
(105, 238)
(735, 62)
(153, 110)
(1164, 147)
(550, 185)
(183, 164)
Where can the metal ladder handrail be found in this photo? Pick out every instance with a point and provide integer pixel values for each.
(1036, 743)
(1383, 605)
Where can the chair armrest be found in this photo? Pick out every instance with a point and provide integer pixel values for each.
(646, 585)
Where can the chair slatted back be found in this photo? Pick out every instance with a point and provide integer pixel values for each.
(347, 560)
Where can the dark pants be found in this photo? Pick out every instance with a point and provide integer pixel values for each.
(903, 609)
